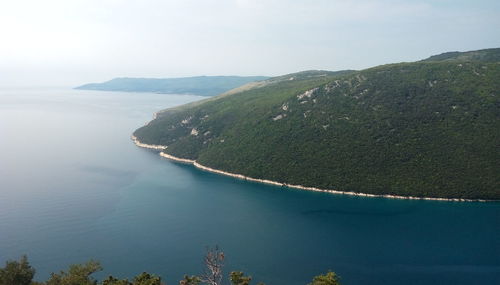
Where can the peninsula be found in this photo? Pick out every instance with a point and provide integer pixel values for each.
(420, 130)
(198, 85)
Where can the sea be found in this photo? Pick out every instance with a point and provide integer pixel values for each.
(74, 187)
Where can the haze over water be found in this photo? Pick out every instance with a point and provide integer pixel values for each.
(73, 187)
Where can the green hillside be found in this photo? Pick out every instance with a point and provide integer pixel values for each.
(199, 85)
(484, 55)
(428, 128)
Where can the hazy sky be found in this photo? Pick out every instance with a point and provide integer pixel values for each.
(70, 42)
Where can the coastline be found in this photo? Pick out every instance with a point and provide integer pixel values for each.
(300, 187)
(151, 146)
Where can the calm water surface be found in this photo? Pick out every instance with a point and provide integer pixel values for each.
(74, 187)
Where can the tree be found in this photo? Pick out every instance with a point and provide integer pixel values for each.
(113, 281)
(147, 279)
(17, 273)
(238, 278)
(214, 262)
(190, 280)
(78, 274)
(329, 278)
(21, 273)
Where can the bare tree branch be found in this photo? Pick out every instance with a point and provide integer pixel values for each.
(214, 262)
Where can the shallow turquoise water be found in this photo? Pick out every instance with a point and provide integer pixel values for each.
(73, 187)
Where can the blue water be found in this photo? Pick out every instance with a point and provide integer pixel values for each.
(74, 187)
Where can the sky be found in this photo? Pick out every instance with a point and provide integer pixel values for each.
(72, 42)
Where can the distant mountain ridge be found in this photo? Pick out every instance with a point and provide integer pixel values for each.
(424, 129)
(198, 85)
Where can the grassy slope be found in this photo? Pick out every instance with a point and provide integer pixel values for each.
(420, 129)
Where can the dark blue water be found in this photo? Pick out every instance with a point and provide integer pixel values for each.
(74, 187)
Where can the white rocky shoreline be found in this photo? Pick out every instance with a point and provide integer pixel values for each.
(151, 146)
(265, 181)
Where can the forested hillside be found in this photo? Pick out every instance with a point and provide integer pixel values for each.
(428, 129)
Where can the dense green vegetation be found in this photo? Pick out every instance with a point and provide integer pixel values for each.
(200, 85)
(22, 273)
(428, 129)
